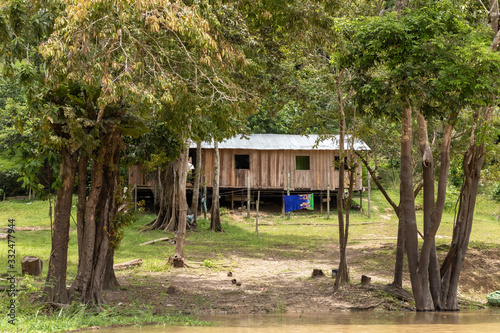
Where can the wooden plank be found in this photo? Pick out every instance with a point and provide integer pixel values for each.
(269, 169)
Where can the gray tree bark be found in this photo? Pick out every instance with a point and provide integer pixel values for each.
(215, 222)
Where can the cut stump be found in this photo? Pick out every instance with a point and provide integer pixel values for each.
(177, 261)
(317, 273)
(32, 266)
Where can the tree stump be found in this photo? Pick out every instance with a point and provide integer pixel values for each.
(365, 280)
(177, 261)
(32, 266)
(317, 273)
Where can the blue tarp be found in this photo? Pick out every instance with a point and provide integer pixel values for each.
(301, 201)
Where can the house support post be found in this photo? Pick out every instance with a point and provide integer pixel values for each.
(205, 198)
(135, 187)
(288, 190)
(321, 202)
(328, 198)
(283, 197)
(361, 199)
(248, 195)
(257, 216)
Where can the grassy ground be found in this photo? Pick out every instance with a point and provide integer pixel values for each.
(305, 235)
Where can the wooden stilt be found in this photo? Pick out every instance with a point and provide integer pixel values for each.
(205, 196)
(288, 190)
(257, 217)
(361, 200)
(328, 198)
(283, 197)
(321, 202)
(135, 187)
(248, 195)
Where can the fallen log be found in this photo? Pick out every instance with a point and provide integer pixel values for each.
(164, 239)
(128, 264)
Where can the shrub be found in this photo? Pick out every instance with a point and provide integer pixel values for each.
(10, 184)
(496, 191)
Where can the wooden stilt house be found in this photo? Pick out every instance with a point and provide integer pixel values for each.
(278, 162)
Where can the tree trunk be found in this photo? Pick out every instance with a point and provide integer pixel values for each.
(55, 288)
(182, 202)
(215, 223)
(429, 274)
(494, 15)
(82, 201)
(342, 272)
(472, 165)
(168, 214)
(428, 194)
(423, 301)
(196, 185)
(110, 281)
(401, 5)
(99, 230)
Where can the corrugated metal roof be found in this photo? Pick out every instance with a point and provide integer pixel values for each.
(284, 142)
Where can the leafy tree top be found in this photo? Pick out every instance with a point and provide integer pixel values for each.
(431, 57)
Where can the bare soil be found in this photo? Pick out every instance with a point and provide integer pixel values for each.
(249, 285)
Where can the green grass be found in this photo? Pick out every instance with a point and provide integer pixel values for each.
(77, 317)
(27, 213)
(303, 236)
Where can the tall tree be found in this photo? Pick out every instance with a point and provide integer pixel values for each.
(394, 66)
(130, 56)
(23, 26)
(472, 165)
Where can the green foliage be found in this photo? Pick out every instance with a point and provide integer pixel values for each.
(124, 217)
(432, 56)
(155, 148)
(9, 180)
(224, 211)
(451, 202)
(208, 263)
(496, 192)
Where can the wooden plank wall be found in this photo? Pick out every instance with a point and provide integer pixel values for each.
(142, 179)
(269, 169)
